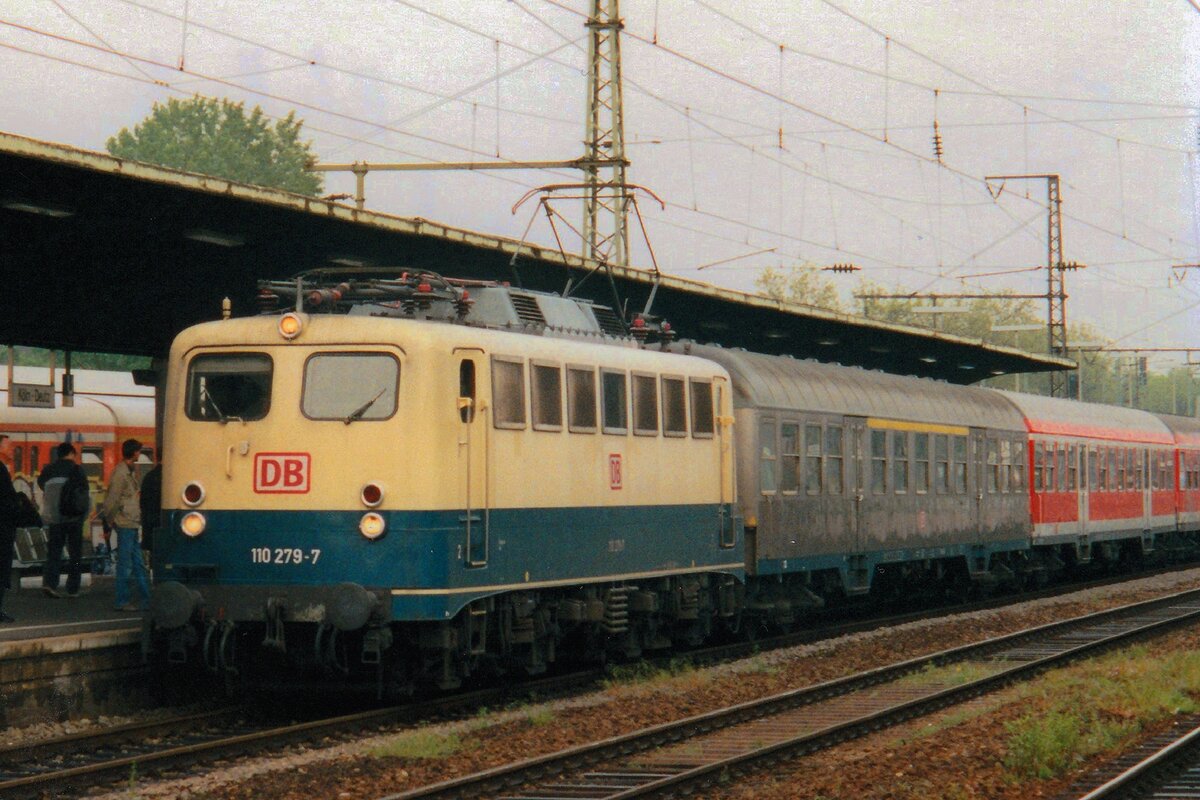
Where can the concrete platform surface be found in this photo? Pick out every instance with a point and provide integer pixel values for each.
(39, 616)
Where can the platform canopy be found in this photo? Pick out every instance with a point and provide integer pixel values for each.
(102, 254)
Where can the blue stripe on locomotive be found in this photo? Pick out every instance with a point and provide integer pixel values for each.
(425, 550)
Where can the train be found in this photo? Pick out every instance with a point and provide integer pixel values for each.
(409, 482)
(108, 408)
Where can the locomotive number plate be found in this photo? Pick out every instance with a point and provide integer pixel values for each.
(283, 555)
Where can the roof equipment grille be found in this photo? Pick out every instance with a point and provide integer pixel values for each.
(527, 309)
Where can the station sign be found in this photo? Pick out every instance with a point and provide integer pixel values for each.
(30, 395)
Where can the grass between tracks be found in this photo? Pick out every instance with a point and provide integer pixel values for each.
(1077, 712)
(1095, 706)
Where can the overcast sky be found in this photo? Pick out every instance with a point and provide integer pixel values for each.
(1102, 93)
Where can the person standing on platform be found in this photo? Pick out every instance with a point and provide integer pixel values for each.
(66, 501)
(8, 532)
(121, 511)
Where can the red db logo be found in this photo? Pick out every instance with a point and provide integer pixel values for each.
(282, 473)
(614, 470)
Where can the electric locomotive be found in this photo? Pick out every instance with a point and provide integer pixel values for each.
(433, 481)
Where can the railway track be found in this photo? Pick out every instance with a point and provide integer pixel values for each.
(87, 759)
(1164, 767)
(692, 754)
(92, 757)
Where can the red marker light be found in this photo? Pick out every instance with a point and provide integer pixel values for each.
(666, 326)
(639, 323)
(372, 495)
(424, 288)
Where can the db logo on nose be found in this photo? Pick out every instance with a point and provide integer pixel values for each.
(282, 473)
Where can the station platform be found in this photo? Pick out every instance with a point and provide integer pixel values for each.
(70, 658)
(39, 616)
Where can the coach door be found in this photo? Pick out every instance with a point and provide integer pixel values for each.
(857, 461)
(473, 455)
(978, 481)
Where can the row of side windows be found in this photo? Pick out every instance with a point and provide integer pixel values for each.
(611, 414)
(809, 457)
(1056, 468)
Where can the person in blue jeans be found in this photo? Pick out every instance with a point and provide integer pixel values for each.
(121, 511)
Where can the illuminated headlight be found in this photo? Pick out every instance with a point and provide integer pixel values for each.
(371, 525)
(372, 495)
(290, 325)
(193, 494)
(193, 524)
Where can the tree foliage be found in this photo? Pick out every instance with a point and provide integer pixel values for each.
(802, 284)
(1102, 377)
(217, 137)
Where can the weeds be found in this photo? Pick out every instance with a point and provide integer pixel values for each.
(418, 745)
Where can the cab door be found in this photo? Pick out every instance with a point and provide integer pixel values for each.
(724, 402)
(472, 412)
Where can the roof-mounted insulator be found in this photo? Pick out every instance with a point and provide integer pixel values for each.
(937, 143)
(267, 301)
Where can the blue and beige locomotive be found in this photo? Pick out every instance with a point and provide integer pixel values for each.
(432, 480)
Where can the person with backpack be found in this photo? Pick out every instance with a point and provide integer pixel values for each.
(121, 511)
(66, 501)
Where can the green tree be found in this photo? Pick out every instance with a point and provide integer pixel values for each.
(217, 137)
(801, 284)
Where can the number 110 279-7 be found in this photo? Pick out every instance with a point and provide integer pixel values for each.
(283, 555)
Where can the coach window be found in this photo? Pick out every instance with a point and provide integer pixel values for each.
(18, 460)
(350, 386)
(1072, 468)
(1017, 477)
(229, 386)
(879, 462)
(581, 399)
(1062, 468)
(702, 409)
(33, 460)
(921, 456)
(674, 407)
(900, 461)
(614, 404)
(960, 464)
(767, 478)
(645, 405)
(1098, 469)
(1139, 468)
(812, 459)
(833, 459)
(1005, 465)
(1039, 467)
(941, 460)
(993, 466)
(789, 457)
(92, 461)
(508, 393)
(1170, 471)
(1155, 471)
(546, 394)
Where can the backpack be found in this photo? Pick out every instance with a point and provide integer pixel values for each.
(75, 500)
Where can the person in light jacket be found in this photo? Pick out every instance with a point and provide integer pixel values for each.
(121, 512)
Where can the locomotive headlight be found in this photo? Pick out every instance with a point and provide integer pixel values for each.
(193, 524)
(372, 495)
(290, 325)
(193, 494)
(372, 525)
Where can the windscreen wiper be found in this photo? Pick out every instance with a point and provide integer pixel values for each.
(358, 412)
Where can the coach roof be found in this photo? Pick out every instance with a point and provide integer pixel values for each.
(787, 384)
